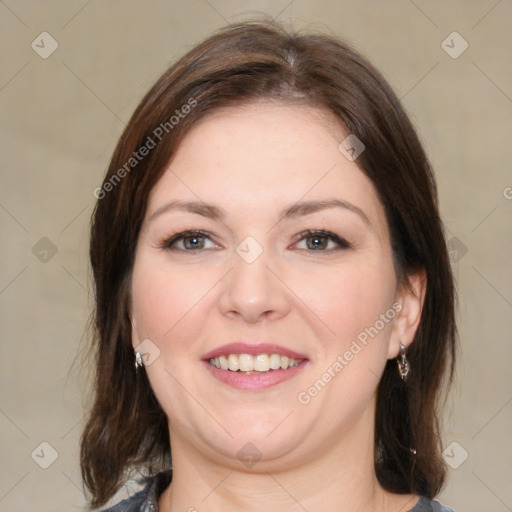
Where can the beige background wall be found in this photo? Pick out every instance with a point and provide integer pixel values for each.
(60, 119)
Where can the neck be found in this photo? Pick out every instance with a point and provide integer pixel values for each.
(340, 477)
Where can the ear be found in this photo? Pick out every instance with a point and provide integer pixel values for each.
(135, 332)
(410, 296)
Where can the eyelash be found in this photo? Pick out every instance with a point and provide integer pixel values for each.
(310, 233)
(167, 243)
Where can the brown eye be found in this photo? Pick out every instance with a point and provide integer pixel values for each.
(317, 242)
(193, 242)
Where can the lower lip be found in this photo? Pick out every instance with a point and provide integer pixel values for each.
(254, 381)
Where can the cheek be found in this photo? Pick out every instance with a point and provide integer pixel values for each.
(350, 302)
(348, 298)
(164, 301)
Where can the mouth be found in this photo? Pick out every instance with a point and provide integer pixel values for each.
(254, 367)
(248, 364)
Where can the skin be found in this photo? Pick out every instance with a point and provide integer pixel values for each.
(254, 162)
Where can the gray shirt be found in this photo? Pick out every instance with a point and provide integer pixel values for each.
(146, 500)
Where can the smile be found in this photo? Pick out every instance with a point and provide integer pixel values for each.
(261, 376)
(254, 364)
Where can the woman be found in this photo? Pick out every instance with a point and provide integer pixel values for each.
(266, 247)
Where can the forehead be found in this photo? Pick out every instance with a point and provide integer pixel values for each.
(263, 135)
(263, 156)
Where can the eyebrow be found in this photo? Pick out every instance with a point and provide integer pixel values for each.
(206, 210)
(299, 209)
(307, 207)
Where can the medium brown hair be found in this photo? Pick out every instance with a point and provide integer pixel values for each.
(126, 428)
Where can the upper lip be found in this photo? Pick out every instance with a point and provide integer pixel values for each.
(252, 349)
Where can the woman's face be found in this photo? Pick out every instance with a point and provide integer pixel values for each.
(290, 248)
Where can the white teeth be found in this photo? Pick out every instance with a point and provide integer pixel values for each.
(246, 362)
(262, 363)
(259, 363)
(224, 363)
(234, 365)
(275, 361)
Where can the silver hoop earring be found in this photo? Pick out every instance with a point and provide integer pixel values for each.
(403, 364)
(138, 361)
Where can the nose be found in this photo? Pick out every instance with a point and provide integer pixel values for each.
(253, 292)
